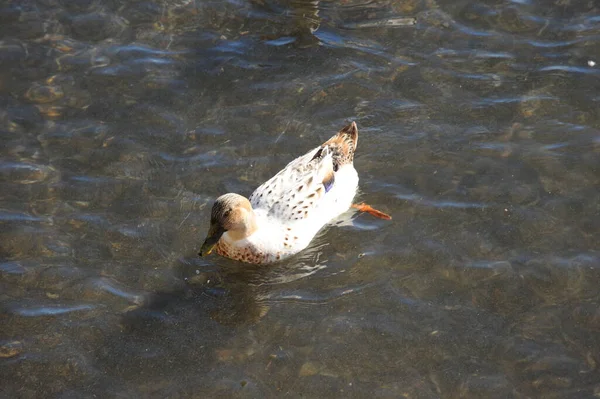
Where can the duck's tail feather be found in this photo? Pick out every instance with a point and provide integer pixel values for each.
(343, 145)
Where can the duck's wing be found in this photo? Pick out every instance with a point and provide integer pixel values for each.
(294, 192)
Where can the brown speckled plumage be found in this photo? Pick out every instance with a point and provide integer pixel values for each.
(342, 145)
(248, 255)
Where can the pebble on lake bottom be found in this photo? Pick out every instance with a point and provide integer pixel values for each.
(10, 349)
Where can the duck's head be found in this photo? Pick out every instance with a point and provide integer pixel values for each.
(231, 213)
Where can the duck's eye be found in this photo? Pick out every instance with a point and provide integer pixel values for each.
(226, 214)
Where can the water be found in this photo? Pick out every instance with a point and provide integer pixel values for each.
(479, 127)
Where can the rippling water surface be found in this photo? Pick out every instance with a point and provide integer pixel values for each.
(479, 124)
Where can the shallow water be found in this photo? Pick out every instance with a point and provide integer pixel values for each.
(479, 127)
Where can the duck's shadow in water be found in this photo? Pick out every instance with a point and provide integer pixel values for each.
(229, 292)
(192, 325)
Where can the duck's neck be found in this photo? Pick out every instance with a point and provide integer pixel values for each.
(248, 226)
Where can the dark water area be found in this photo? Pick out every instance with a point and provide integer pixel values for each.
(479, 132)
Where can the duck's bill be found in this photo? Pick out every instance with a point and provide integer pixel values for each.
(214, 234)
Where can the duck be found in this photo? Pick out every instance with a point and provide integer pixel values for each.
(282, 216)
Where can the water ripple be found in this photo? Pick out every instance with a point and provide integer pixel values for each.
(7, 216)
(25, 173)
(114, 288)
(441, 204)
(313, 297)
(48, 310)
(333, 39)
(568, 68)
(139, 51)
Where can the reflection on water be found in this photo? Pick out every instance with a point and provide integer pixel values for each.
(247, 291)
(121, 122)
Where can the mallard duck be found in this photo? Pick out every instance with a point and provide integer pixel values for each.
(283, 215)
